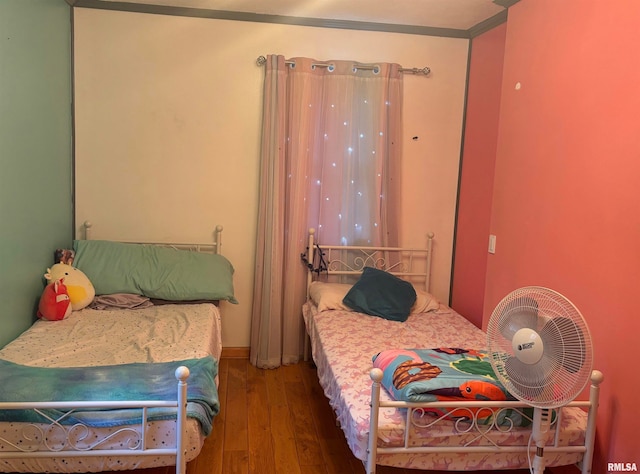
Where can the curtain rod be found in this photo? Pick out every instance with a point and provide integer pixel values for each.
(414, 70)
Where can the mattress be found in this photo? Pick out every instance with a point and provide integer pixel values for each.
(343, 344)
(91, 337)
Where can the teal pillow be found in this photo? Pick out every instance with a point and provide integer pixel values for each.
(155, 272)
(382, 294)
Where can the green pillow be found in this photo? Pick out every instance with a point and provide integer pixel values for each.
(155, 272)
(382, 294)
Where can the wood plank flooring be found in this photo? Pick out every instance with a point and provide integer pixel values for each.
(278, 422)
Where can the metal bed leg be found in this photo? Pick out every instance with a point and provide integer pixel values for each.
(182, 373)
(376, 376)
(590, 437)
(305, 353)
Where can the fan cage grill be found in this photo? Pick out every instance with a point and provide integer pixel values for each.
(567, 359)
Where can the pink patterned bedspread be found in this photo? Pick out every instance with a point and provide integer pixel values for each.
(343, 344)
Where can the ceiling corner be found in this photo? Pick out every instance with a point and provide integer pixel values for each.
(505, 3)
(488, 24)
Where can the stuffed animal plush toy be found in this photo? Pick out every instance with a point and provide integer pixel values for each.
(54, 303)
(81, 291)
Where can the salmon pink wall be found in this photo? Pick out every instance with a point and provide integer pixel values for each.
(476, 182)
(566, 200)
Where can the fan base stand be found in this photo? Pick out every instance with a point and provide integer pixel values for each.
(538, 460)
(541, 420)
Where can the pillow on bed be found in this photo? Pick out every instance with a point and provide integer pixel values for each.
(425, 302)
(328, 296)
(155, 272)
(382, 294)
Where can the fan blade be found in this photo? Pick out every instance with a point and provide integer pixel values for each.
(521, 312)
(528, 380)
(564, 341)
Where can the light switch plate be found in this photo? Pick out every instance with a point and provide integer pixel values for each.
(492, 243)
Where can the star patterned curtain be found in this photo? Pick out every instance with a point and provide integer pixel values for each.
(330, 160)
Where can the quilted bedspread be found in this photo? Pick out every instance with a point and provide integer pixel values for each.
(447, 374)
(427, 375)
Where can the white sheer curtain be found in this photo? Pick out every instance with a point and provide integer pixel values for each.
(330, 160)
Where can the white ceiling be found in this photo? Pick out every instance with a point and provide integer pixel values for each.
(450, 15)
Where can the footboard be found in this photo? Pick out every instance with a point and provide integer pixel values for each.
(477, 435)
(55, 438)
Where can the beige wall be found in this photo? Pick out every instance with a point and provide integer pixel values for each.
(168, 113)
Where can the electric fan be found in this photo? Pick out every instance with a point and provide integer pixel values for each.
(540, 349)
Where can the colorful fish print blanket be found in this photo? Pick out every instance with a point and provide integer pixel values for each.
(447, 374)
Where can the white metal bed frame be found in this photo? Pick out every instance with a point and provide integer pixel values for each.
(79, 431)
(402, 262)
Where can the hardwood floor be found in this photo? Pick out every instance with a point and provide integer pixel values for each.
(278, 422)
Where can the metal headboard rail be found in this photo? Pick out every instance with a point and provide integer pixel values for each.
(214, 247)
(399, 261)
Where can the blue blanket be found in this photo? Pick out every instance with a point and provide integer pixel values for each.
(141, 381)
(423, 375)
(447, 374)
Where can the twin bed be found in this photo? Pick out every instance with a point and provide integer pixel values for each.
(467, 432)
(130, 385)
(167, 352)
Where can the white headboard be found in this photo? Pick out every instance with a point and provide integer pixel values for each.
(214, 247)
(413, 264)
